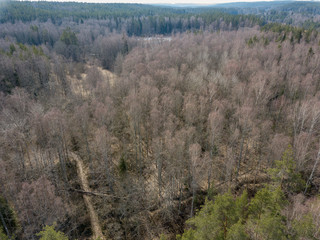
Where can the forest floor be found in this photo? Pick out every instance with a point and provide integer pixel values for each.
(78, 83)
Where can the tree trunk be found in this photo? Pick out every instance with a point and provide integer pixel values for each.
(240, 158)
(193, 197)
(4, 224)
(107, 165)
(312, 173)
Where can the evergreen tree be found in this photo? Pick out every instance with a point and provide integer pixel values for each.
(48, 233)
(304, 228)
(219, 219)
(237, 232)
(268, 227)
(229, 218)
(8, 221)
(3, 236)
(69, 37)
(285, 173)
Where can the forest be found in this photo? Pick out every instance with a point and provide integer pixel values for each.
(131, 121)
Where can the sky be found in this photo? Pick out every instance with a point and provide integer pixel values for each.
(186, 2)
(202, 2)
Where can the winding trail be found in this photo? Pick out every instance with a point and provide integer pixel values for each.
(94, 220)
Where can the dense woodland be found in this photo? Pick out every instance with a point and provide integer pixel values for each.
(124, 121)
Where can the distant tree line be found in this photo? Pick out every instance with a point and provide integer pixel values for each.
(134, 19)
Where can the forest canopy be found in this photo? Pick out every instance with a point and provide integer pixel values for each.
(130, 121)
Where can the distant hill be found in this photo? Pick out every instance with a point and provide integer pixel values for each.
(256, 7)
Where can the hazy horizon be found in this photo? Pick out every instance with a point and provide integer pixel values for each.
(190, 2)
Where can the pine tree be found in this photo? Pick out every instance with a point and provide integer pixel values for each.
(237, 232)
(285, 173)
(265, 219)
(268, 227)
(3, 236)
(304, 228)
(219, 219)
(48, 233)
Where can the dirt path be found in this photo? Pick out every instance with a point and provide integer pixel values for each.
(95, 225)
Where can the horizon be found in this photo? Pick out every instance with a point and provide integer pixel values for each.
(167, 2)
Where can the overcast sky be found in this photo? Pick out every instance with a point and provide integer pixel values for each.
(158, 1)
